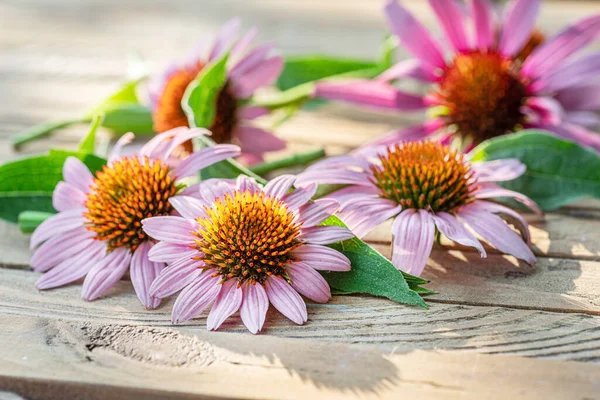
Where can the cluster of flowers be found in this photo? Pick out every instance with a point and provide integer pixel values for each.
(235, 245)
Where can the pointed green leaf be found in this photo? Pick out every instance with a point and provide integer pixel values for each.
(88, 143)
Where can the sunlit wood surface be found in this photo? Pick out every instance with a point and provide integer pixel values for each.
(497, 329)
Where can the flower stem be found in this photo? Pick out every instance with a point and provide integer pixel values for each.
(41, 130)
(29, 220)
(287, 162)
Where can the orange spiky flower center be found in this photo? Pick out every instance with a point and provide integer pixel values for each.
(125, 193)
(481, 96)
(169, 114)
(424, 175)
(248, 236)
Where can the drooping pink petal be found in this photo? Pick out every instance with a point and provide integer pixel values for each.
(254, 306)
(345, 161)
(246, 184)
(353, 193)
(143, 272)
(575, 73)
(490, 190)
(181, 136)
(519, 23)
(575, 133)
(175, 277)
(325, 234)
(67, 197)
(169, 252)
(587, 119)
(212, 189)
(279, 186)
(252, 112)
(413, 36)
(321, 257)
(308, 282)
(317, 211)
(332, 176)
(494, 230)
(369, 93)
(454, 230)
(285, 299)
(240, 48)
(499, 170)
(205, 157)
(584, 98)
(57, 224)
(551, 53)
(196, 297)
(250, 61)
(227, 302)
(300, 196)
(412, 68)
(451, 18)
(257, 140)
(106, 273)
(496, 208)
(77, 174)
(124, 140)
(175, 230)
(543, 110)
(224, 39)
(414, 232)
(483, 20)
(366, 214)
(60, 247)
(188, 207)
(156, 147)
(251, 158)
(264, 74)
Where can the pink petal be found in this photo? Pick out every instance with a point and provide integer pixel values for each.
(413, 36)
(496, 208)
(256, 140)
(143, 272)
(228, 301)
(369, 93)
(196, 297)
(263, 74)
(106, 274)
(77, 174)
(332, 176)
(413, 232)
(483, 19)
(308, 282)
(252, 112)
(362, 216)
(325, 234)
(587, 119)
(299, 197)
(519, 23)
(456, 231)
(344, 161)
(212, 189)
(225, 38)
(122, 142)
(254, 306)
(205, 157)
(317, 211)
(156, 147)
(499, 170)
(239, 49)
(410, 134)
(285, 299)
(451, 18)
(353, 193)
(57, 224)
(169, 252)
(490, 190)
(188, 207)
(543, 110)
(575, 73)
(175, 230)
(322, 258)
(181, 136)
(67, 197)
(411, 68)
(583, 97)
(250, 61)
(494, 230)
(175, 277)
(246, 184)
(60, 247)
(278, 187)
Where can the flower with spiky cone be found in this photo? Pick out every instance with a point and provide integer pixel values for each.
(242, 247)
(248, 69)
(424, 186)
(97, 233)
(504, 79)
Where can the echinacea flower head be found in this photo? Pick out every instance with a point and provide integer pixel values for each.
(248, 69)
(425, 186)
(240, 246)
(504, 78)
(97, 233)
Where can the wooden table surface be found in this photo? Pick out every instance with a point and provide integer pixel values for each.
(497, 329)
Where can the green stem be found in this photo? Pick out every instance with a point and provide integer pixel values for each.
(287, 162)
(41, 130)
(294, 96)
(29, 220)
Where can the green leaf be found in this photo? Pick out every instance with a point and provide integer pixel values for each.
(558, 171)
(88, 143)
(28, 183)
(30, 220)
(41, 130)
(371, 272)
(200, 99)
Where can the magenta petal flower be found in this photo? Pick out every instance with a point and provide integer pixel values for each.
(243, 247)
(97, 233)
(504, 78)
(247, 70)
(426, 187)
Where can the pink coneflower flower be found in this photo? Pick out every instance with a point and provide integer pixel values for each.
(248, 70)
(97, 233)
(504, 79)
(242, 247)
(424, 186)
